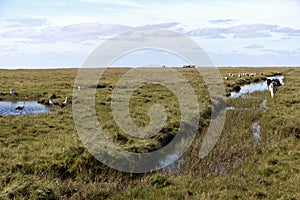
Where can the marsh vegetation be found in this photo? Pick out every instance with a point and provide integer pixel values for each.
(42, 156)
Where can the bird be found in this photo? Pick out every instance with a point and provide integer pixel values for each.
(12, 92)
(20, 107)
(65, 103)
(53, 102)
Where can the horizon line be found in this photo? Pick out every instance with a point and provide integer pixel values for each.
(120, 67)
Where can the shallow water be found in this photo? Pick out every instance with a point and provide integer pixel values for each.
(172, 163)
(263, 106)
(169, 160)
(230, 108)
(254, 87)
(256, 131)
(31, 107)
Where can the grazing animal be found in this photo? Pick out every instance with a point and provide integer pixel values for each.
(20, 107)
(65, 103)
(277, 81)
(226, 78)
(273, 86)
(269, 81)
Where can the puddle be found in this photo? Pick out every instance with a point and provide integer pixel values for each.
(222, 168)
(256, 131)
(254, 87)
(230, 108)
(234, 108)
(216, 167)
(31, 107)
(168, 160)
(168, 164)
(263, 106)
(235, 161)
(172, 163)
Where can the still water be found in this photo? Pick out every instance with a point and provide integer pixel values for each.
(31, 107)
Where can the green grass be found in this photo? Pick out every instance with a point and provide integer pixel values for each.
(42, 156)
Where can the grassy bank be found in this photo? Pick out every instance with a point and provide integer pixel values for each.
(42, 157)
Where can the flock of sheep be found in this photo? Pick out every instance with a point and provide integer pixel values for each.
(240, 75)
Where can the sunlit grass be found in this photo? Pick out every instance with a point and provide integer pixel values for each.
(42, 156)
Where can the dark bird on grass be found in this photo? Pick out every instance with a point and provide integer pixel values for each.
(20, 107)
(53, 102)
(12, 92)
(65, 103)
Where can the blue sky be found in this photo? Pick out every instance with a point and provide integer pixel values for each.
(62, 33)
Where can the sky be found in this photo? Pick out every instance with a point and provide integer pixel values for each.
(62, 33)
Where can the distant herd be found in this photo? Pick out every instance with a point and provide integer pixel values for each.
(240, 75)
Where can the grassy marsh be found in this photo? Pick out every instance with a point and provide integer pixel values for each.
(42, 157)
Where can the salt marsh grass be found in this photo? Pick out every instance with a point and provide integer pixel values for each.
(42, 156)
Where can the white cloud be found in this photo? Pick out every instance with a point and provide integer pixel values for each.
(221, 21)
(71, 33)
(240, 31)
(51, 4)
(223, 27)
(27, 22)
(162, 25)
(126, 3)
(254, 46)
(289, 31)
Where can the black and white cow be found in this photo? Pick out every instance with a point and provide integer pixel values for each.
(273, 85)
